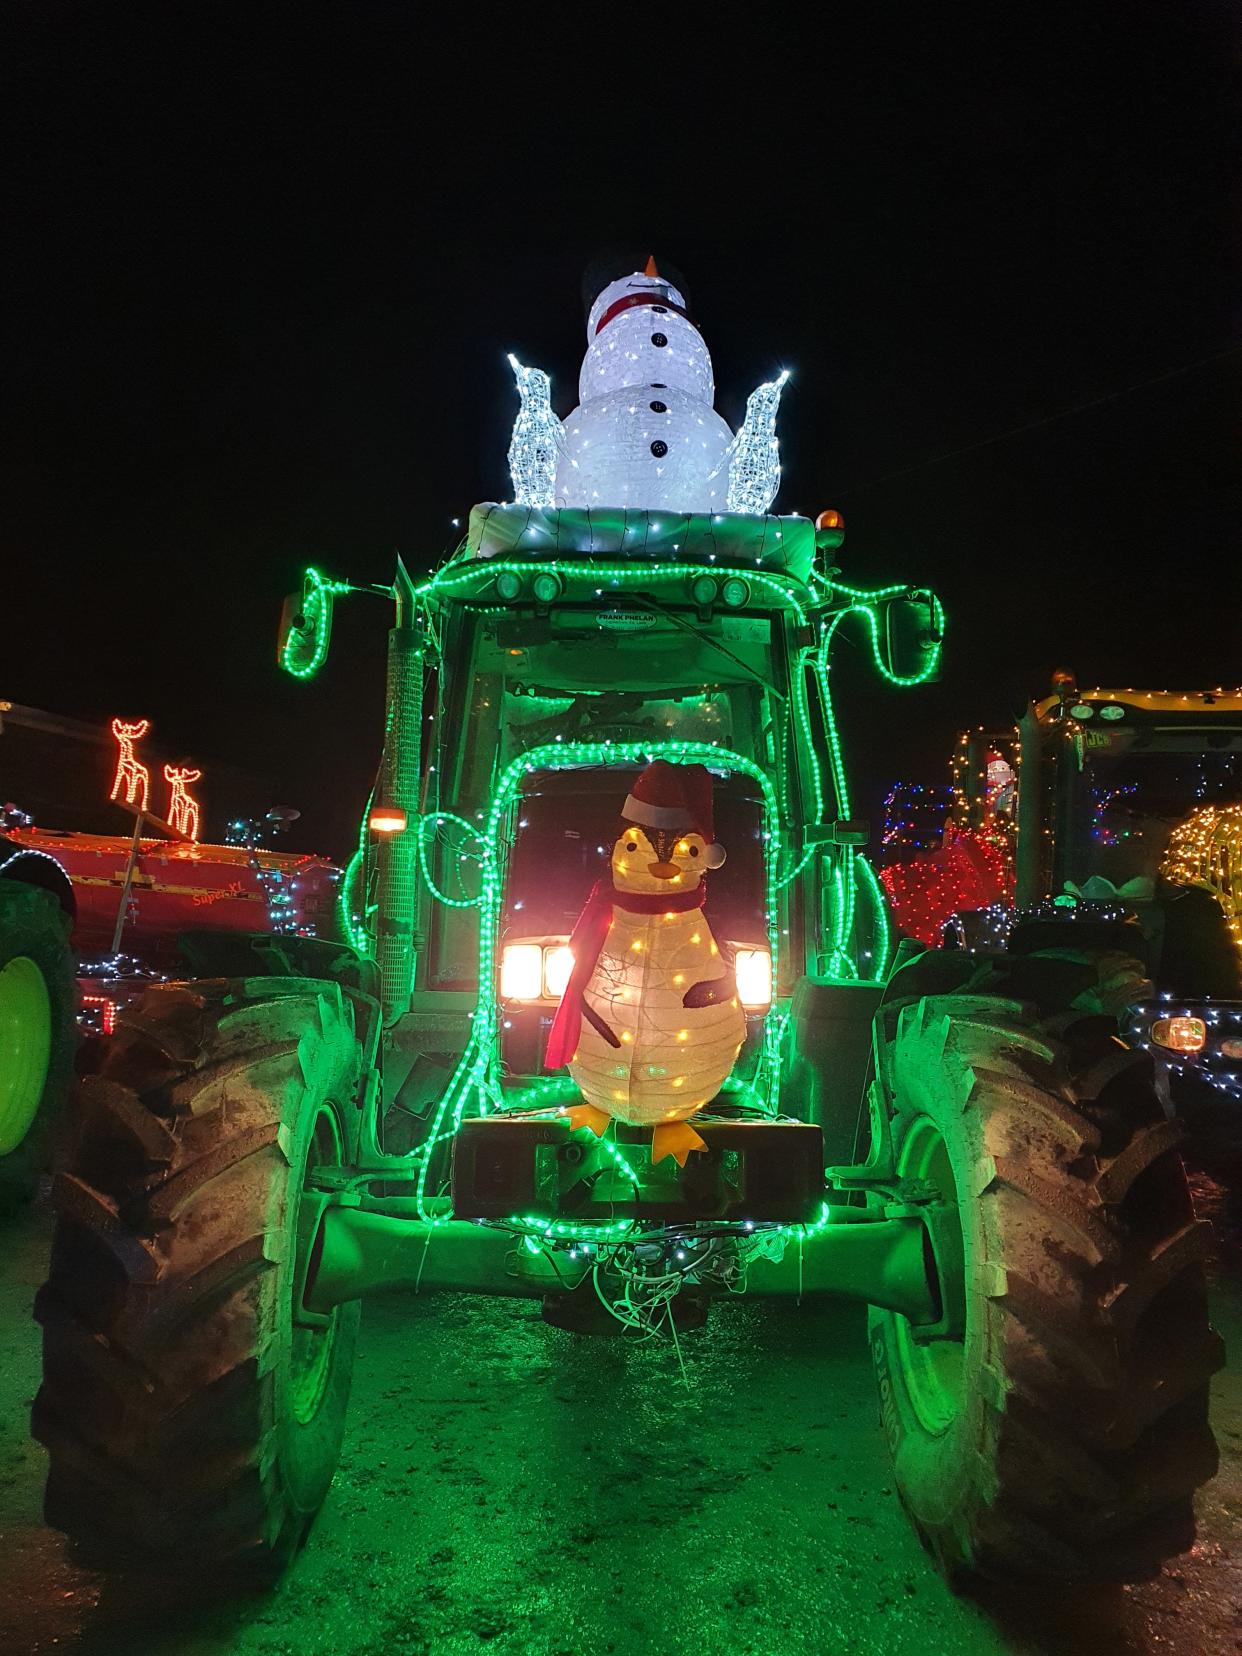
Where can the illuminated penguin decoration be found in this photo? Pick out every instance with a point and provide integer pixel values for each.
(650, 1022)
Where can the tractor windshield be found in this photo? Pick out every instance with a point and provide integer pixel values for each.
(622, 675)
(576, 677)
(567, 824)
(1136, 786)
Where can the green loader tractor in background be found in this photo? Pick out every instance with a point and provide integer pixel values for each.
(960, 1142)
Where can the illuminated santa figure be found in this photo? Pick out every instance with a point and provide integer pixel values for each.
(645, 433)
(650, 1022)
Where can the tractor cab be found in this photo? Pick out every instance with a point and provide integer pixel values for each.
(562, 652)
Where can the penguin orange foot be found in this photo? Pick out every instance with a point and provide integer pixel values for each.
(676, 1139)
(586, 1115)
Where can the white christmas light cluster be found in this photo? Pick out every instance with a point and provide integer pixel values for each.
(537, 440)
(755, 456)
(645, 434)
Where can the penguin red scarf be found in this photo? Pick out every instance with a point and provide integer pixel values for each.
(585, 944)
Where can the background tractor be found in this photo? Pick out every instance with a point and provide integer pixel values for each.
(1109, 820)
(961, 1143)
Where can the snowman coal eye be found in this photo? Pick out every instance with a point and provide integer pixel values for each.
(694, 850)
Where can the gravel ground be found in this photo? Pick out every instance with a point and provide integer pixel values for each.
(509, 1488)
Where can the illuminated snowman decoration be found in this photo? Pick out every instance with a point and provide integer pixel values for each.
(645, 433)
(650, 1022)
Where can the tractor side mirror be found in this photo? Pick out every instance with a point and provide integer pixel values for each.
(914, 636)
(292, 621)
(306, 626)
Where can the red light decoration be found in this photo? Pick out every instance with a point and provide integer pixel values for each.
(183, 812)
(131, 774)
(968, 872)
(107, 1015)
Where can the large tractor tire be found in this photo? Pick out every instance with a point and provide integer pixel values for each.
(38, 1033)
(1058, 1428)
(191, 1410)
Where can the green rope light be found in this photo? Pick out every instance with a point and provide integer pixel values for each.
(351, 915)
(605, 576)
(846, 874)
(434, 819)
(476, 1077)
(538, 1230)
(317, 595)
(866, 610)
(802, 713)
(879, 907)
(787, 879)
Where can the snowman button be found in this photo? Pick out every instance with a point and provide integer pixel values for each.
(659, 339)
(659, 408)
(659, 449)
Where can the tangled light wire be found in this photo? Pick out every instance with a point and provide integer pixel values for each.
(645, 1304)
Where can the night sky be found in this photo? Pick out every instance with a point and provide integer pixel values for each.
(263, 267)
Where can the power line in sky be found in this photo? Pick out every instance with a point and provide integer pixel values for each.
(1044, 420)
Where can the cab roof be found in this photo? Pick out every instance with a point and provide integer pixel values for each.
(1198, 702)
(599, 553)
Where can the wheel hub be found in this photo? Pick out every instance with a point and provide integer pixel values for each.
(313, 1333)
(934, 1368)
(25, 1047)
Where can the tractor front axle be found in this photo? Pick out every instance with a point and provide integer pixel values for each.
(874, 1261)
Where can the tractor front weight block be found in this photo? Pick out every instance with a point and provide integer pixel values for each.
(765, 1171)
(872, 1261)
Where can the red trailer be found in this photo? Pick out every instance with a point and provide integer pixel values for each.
(179, 886)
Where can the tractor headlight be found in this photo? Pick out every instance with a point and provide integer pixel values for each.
(546, 586)
(521, 971)
(534, 971)
(754, 979)
(557, 965)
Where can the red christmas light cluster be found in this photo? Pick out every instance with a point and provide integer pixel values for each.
(969, 871)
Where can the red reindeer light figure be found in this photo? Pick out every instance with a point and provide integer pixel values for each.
(182, 809)
(131, 775)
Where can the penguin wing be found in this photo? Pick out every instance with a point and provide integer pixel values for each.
(713, 991)
(598, 1024)
(538, 438)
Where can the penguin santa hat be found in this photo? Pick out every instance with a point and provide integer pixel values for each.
(675, 799)
(645, 433)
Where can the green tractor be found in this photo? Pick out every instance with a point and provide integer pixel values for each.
(1120, 817)
(964, 1146)
(38, 1011)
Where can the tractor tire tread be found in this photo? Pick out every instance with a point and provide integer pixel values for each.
(157, 1406)
(1093, 1435)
